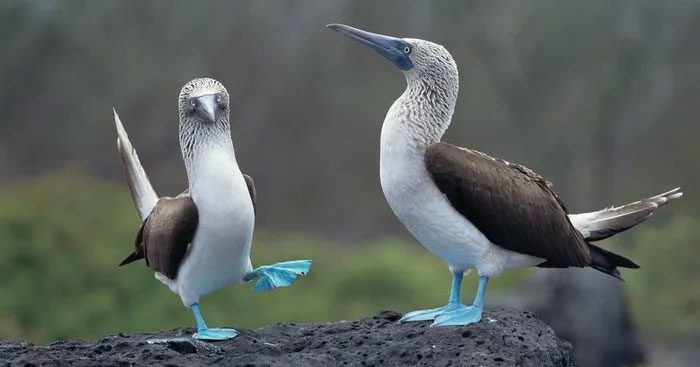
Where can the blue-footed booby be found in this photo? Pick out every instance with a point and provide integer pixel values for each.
(199, 241)
(472, 210)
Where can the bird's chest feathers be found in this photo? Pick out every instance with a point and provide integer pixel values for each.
(406, 184)
(422, 207)
(402, 171)
(221, 195)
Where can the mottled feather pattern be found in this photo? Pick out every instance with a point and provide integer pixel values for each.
(193, 133)
(434, 89)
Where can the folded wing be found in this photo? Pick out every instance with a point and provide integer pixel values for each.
(510, 204)
(165, 235)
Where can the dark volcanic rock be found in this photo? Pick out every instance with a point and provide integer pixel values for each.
(503, 338)
(587, 308)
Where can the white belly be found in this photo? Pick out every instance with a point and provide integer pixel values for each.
(220, 251)
(429, 216)
(432, 220)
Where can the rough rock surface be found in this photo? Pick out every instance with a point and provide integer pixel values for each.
(504, 337)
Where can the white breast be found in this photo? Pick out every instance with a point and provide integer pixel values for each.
(220, 251)
(427, 213)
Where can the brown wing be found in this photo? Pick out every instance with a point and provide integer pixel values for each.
(251, 189)
(510, 204)
(165, 235)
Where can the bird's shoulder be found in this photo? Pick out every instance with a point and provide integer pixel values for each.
(441, 153)
(470, 164)
(250, 183)
(179, 212)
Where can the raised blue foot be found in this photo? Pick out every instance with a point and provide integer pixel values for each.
(206, 333)
(454, 313)
(278, 275)
(215, 333)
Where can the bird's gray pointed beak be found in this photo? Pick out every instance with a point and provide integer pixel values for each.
(393, 49)
(207, 107)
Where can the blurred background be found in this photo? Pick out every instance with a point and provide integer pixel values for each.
(600, 97)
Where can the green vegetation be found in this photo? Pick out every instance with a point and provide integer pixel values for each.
(665, 294)
(61, 238)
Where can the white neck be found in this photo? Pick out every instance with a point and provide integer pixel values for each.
(208, 156)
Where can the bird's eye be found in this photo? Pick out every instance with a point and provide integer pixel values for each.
(193, 102)
(218, 98)
(407, 50)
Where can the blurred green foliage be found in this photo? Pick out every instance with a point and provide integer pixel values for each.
(62, 236)
(665, 293)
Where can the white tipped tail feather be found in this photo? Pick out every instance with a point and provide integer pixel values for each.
(142, 192)
(604, 223)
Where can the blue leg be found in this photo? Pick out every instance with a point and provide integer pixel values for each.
(206, 333)
(278, 275)
(465, 315)
(431, 314)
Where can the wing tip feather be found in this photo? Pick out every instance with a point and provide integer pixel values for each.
(142, 191)
(666, 197)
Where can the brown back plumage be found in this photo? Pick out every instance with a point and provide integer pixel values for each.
(515, 208)
(510, 204)
(165, 235)
(251, 190)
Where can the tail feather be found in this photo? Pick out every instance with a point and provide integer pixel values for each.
(142, 192)
(607, 262)
(131, 258)
(595, 226)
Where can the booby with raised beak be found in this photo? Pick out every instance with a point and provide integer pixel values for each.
(472, 210)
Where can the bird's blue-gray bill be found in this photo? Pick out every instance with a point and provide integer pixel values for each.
(207, 106)
(393, 49)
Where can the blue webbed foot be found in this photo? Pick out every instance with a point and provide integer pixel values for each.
(422, 315)
(277, 275)
(206, 333)
(215, 334)
(459, 315)
(454, 313)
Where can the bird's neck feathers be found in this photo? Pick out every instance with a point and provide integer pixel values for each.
(200, 142)
(424, 111)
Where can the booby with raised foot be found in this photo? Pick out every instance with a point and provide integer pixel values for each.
(199, 241)
(472, 210)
